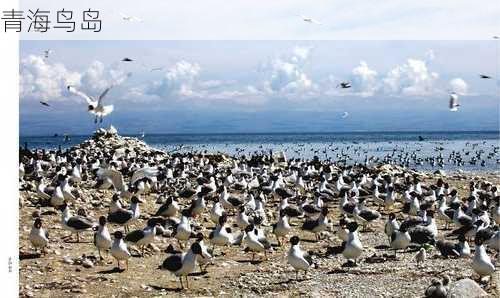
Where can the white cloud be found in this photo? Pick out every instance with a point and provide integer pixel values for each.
(458, 86)
(287, 76)
(41, 80)
(178, 80)
(98, 77)
(412, 79)
(364, 79)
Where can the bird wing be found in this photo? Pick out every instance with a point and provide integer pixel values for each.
(453, 102)
(134, 236)
(89, 99)
(115, 176)
(173, 263)
(144, 172)
(103, 94)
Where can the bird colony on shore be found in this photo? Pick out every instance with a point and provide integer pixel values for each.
(257, 202)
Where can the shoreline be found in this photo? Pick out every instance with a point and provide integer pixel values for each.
(62, 272)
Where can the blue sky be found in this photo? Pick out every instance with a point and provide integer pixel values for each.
(255, 86)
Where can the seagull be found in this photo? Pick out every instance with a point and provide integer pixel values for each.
(482, 76)
(130, 18)
(297, 258)
(44, 103)
(141, 238)
(400, 239)
(345, 115)
(454, 102)
(75, 224)
(156, 69)
(95, 106)
(119, 249)
(282, 227)
(310, 20)
(102, 238)
(254, 243)
(481, 263)
(39, 238)
(344, 85)
(183, 264)
(127, 60)
(169, 209)
(46, 53)
(352, 248)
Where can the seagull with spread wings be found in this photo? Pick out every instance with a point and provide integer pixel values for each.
(310, 20)
(95, 106)
(454, 102)
(118, 182)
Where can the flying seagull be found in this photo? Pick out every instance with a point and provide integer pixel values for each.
(127, 59)
(44, 103)
(484, 76)
(345, 115)
(454, 102)
(46, 53)
(95, 106)
(310, 20)
(344, 85)
(130, 18)
(156, 69)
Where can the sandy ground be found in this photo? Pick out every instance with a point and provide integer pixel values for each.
(232, 272)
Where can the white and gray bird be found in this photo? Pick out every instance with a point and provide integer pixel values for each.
(454, 102)
(310, 20)
(95, 106)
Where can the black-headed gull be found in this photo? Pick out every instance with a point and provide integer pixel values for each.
(95, 106)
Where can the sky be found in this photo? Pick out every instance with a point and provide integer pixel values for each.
(260, 86)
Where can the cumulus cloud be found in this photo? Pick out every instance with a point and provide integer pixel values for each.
(364, 79)
(42, 80)
(178, 80)
(286, 75)
(413, 78)
(98, 77)
(458, 86)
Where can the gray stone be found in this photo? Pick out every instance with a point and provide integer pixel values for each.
(466, 288)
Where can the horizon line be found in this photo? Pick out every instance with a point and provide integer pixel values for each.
(282, 133)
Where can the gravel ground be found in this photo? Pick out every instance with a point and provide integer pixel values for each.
(232, 273)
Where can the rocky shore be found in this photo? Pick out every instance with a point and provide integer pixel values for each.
(73, 269)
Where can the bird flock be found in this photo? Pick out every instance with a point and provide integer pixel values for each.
(257, 203)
